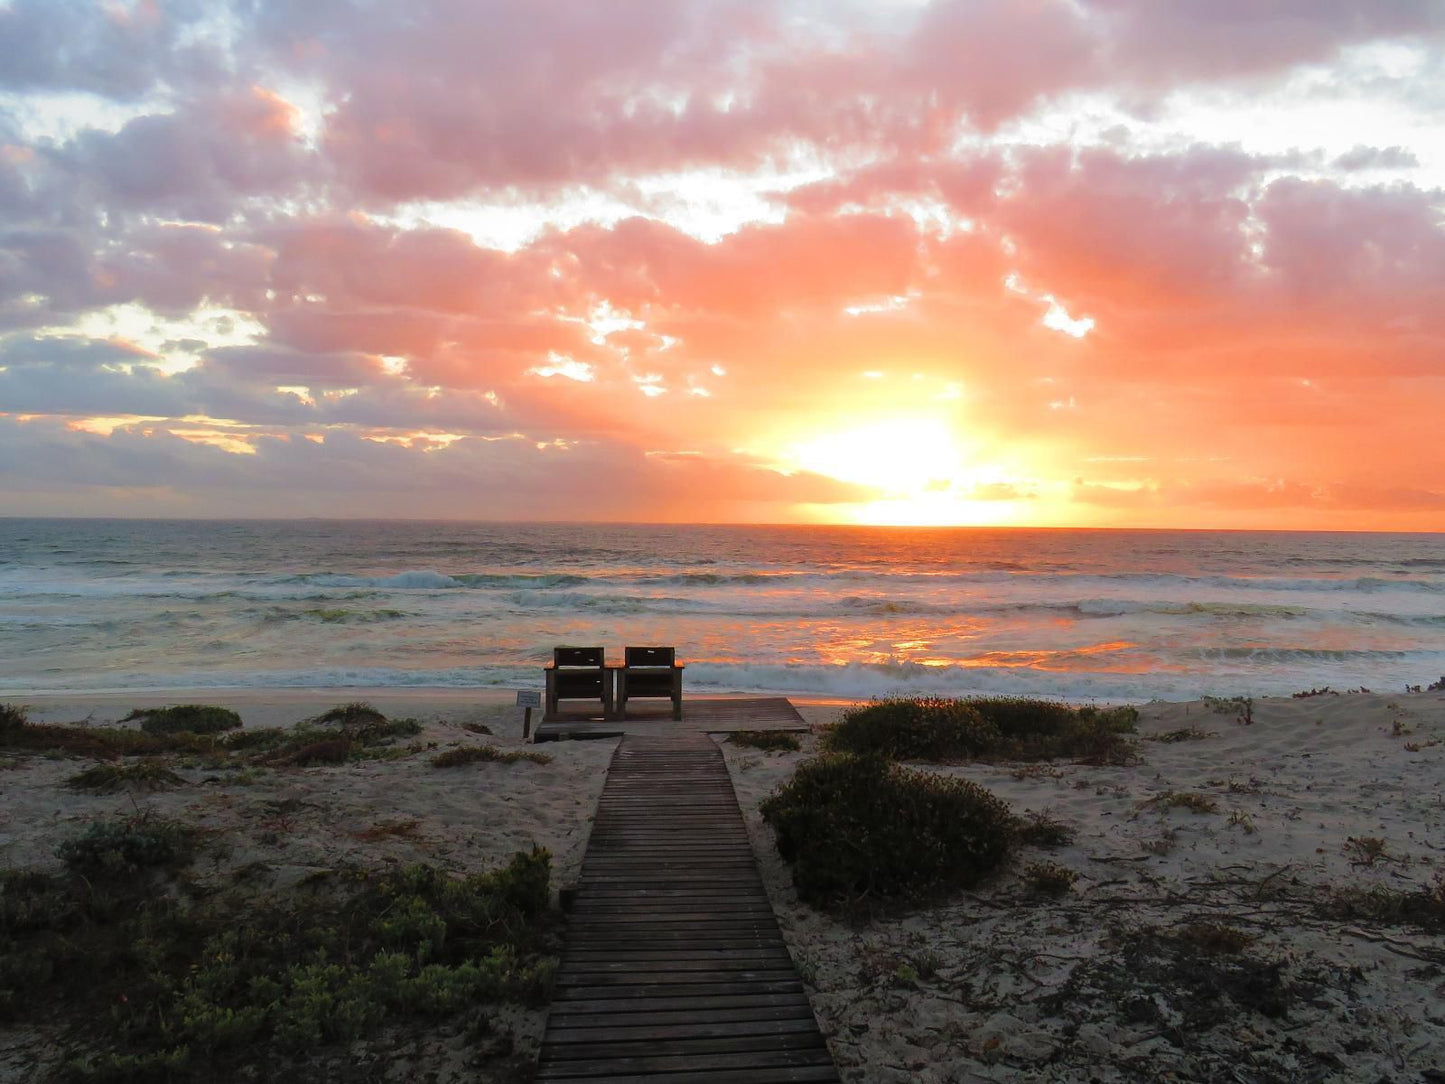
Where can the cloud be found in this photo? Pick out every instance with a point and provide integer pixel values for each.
(67, 45)
(195, 164)
(1364, 157)
(145, 470)
(69, 352)
(906, 190)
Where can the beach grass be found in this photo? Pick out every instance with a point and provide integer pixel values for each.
(185, 718)
(171, 983)
(770, 741)
(337, 736)
(147, 774)
(941, 730)
(489, 754)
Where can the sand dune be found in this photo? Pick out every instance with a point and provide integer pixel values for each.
(1320, 806)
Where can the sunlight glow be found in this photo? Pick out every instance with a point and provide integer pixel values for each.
(898, 456)
(560, 365)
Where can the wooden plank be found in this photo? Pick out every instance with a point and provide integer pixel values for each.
(713, 1028)
(781, 1074)
(665, 1006)
(650, 1049)
(674, 967)
(686, 1062)
(757, 987)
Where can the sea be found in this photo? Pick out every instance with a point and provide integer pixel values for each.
(818, 611)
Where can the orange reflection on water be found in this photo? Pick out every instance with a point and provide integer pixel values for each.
(1063, 659)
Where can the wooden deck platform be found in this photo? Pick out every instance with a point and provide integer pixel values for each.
(674, 968)
(653, 718)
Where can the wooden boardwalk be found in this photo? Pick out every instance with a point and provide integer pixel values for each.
(653, 718)
(674, 968)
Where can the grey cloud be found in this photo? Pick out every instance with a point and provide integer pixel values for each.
(68, 351)
(1363, 157)
(347, 475)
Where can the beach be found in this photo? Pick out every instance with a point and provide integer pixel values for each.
(1233, 913)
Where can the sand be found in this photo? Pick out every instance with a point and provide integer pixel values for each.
(1315, 799)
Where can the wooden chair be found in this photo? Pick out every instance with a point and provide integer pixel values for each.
(650, 672)
(578, 673)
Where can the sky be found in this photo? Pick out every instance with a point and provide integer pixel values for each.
(1114, 263)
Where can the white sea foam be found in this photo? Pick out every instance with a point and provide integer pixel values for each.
(850, 613)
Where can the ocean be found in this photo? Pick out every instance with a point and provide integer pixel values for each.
(845, 612)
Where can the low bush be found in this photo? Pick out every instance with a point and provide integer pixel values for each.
(1042, 730)
(187, 718)
(770, 741)
(473, 754)
(362, 733)
(349, 716)
(12, 717)
(1049, 879)
(859, 830)
(990, 728)
(914, 729)
(232, 987)
(102, 742)
(309, 752)
(148, 774)
(265, 737)
(1042, 830)
(120, 849)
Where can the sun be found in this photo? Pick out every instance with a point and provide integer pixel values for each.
(900, 456)
(922, 472)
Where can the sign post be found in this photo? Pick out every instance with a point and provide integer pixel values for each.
(529, 699)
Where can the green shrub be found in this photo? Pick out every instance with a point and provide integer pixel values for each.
(1020, 716)
(117, 850)
(12, 717)
(145, 774)
(266, 737)
(308, 753)
(1049, 878)
(913, 729)
(236, 987)
(770, 741)
(349, 716)
(190, 718)
(104, 742)
(1032, 729)
(1042, 830)
(1013, 728)
(858, 829)
(472, 754)
(384, 731)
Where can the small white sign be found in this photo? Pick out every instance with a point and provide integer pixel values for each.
(529, 698)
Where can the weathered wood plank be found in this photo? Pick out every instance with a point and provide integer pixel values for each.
(781, 1074)
(674, 967)
(687, 1062)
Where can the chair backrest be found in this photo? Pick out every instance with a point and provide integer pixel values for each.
(578, 656)
(650, 656)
